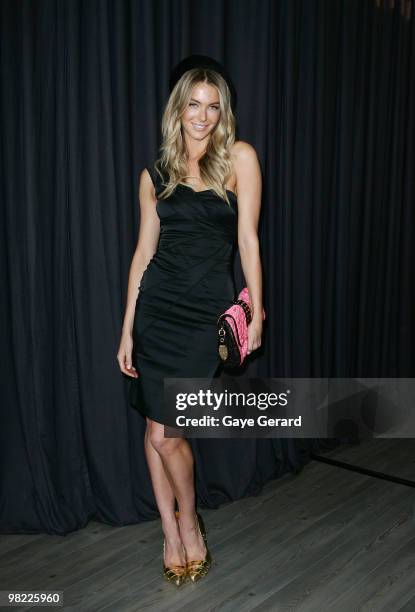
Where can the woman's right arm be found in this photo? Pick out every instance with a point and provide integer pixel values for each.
(148, 237)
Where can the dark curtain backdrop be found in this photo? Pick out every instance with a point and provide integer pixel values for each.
(325, 95)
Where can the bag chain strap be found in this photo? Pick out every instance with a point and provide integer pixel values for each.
(246, 310)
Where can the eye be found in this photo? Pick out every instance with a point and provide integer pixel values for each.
(192, 104)
(215, 107)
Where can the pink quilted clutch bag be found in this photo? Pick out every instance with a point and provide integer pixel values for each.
(233, 330)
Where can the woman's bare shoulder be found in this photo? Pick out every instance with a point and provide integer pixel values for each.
(242, 150)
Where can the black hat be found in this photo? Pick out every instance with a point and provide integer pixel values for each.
(202, 61)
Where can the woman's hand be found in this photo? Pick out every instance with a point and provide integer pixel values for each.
(124, 356)
(254, 334)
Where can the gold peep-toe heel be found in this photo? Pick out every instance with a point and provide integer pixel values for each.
(175, 574)
(198, 569)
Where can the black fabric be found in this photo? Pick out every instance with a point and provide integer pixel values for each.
(326, 97)
(186, 285)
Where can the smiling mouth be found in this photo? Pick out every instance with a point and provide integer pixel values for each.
(199, 127)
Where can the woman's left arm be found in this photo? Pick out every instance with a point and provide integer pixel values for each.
(249, 189)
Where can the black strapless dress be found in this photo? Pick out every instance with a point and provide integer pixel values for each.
(187, 284)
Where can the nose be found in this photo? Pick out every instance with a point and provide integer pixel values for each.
(202, 115)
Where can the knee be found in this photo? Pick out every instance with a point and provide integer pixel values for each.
(155, 435)
(164, 446)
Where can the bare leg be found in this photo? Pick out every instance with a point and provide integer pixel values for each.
(164, 495)
(177, 460)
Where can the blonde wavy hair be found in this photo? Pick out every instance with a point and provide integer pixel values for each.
(215, 165)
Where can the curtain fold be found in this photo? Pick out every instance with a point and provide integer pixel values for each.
(325, 95)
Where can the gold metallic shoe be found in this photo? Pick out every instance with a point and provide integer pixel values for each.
(176, 574)
(198, 569)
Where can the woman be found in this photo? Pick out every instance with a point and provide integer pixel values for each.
(201, 196)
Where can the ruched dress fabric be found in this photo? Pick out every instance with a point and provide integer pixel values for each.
(186, 285)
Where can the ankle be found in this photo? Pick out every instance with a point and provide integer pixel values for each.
(173, 542)
(171, 531)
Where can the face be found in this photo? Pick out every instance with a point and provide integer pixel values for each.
(202, 112)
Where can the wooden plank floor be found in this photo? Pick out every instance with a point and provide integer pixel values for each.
(327, 539)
